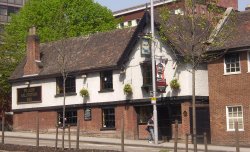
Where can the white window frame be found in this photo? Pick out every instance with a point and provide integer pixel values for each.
(225, 69)
(131, 23)
(227, 117)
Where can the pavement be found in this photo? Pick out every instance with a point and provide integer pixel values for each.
(117, 141)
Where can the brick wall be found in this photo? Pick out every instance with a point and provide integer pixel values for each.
(26, 121)
(185, 119)
(139, 14)
(228, 90)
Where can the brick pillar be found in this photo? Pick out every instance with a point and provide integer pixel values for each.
(185, 117)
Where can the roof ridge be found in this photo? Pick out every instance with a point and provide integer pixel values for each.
(89, 35)
(139, 6)
(244, 12)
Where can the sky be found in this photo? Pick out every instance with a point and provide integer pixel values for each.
(115, 5)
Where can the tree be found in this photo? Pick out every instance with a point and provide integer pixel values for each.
(193, 34)
(84, 17)
(54, 20)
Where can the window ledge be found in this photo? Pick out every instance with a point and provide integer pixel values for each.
(106, 90)
(233, 73)
(233, 130)
(106, 129)
(32, 102)
(67, 125)
(67, 94)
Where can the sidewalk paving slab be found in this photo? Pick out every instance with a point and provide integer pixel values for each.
(117, 141)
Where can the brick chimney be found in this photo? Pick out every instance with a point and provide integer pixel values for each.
(228, 3)
(32, 53)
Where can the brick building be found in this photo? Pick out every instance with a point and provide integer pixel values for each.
(103, 63)
(8, 7)
(228, 86)
(131, 16)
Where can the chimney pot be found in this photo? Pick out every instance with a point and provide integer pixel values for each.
(248, 7)
(32, 30)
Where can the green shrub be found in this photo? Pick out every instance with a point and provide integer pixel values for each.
(84, 92)
(174, 84)
(127, 89)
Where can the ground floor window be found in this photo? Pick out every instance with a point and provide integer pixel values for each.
(144, 113)
(70, 117)
(108, 118)
(234, 113)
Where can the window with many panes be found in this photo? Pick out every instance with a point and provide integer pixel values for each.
(106, 80)
(144, 113)
(3, 10)
(234, 113)
(129, 23)
(70, 117)
(232, 63)
(147, 74)
(108, 118)
(12, 10)
(70, 85)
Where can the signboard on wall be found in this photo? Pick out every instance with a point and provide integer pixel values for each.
(30, 94)
(145, 47)
(87, 114)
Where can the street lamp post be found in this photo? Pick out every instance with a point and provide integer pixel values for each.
(153, 100)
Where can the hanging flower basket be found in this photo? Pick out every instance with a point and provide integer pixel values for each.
(84, 92)
(127, 89)
(174, 84)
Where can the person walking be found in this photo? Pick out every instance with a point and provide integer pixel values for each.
(150, 129)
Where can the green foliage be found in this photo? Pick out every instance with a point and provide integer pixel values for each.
(192, 33)
(174, 84)
(57, 19)
(127, 89)
(84, 92)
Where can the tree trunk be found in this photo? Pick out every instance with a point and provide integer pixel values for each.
(37, 129)
(194, 110)
(64, 98)
(3, 124)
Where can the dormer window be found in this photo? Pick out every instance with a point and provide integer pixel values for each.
(122, 25)
(106, 78)
(232, 63)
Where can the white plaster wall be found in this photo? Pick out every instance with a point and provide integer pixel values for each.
(133, 76)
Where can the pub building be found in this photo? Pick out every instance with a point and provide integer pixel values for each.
(103, 63)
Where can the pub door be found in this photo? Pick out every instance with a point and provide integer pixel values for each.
(202, 123)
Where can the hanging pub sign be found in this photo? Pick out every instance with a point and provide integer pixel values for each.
(160, 78)
(145, 46)
(30, 94)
